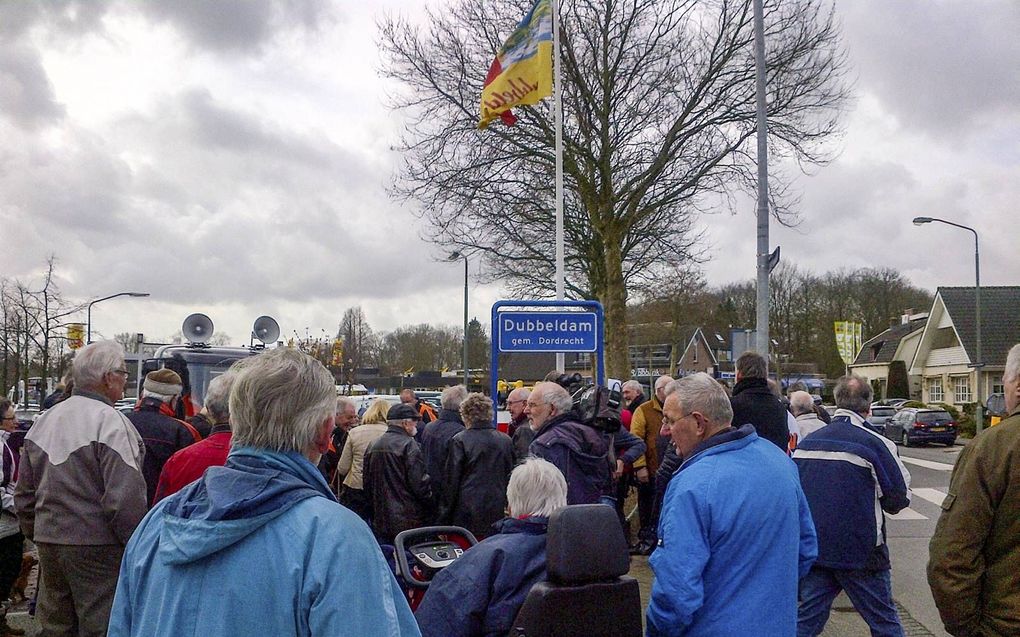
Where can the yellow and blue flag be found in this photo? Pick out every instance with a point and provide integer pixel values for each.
(522, 71)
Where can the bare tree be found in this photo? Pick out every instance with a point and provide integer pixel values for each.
(420, 347)
(659, 120)
(358, 338)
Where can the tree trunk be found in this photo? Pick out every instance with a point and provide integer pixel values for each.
(614, 303)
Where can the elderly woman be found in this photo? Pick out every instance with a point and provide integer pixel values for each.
(352, 458)
(477, 470)
(481, 593)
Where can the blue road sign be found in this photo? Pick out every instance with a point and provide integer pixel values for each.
(547, 331)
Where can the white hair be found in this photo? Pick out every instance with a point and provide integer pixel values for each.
(1012, 371)
(343, 403)
(452, 397)
(536, 487)
(160, 397)
(636, 386)
(663, 381)
(554, 394)
(700, 392)
(520, 393)
(801, 403)
(94, 361)
(217, 395)
(280, 399)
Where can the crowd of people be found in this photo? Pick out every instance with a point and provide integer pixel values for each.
(271, 511)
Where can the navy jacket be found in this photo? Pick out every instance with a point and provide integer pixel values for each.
(435, 442)
(481, 593)
(839, 465)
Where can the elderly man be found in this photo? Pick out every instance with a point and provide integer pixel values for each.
(729, 552)
(163, 434)
(265, 527)
(802, 406)
(645, 425)
(755, 403)
(633, 395)
(12, 542)
(850, 475)
(398, 490)
(480, 593)
(346, 419)
(976, 547)
(81, 493)
(435, 441)
(188, 464)
(520, 431)
(426, 413)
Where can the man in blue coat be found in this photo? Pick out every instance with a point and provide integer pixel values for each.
(480, 594)
(286, 559)
(735, 532)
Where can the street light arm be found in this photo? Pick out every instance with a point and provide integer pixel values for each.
(88, 311)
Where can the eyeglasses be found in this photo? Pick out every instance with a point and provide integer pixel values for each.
(669, 422)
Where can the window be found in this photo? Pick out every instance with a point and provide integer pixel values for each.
(998, 387)
(961, 389)
(935, 390)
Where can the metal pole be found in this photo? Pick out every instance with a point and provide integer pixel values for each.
(88, 312)
(979, 410)
(465, 361)
(762, 315)
(558, 124)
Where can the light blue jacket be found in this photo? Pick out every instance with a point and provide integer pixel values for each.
(735, 536)
(258, 547)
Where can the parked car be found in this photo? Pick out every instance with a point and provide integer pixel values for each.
(895, 403)
(880, 415)
(912, 426)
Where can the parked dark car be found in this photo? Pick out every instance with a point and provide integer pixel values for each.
(912, 426)
(880, 415)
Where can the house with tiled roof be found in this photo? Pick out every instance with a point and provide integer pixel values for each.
(898, 343)
(947, 350)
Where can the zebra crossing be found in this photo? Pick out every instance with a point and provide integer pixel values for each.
(934, 496)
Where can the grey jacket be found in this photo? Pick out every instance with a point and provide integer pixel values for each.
(80, 480)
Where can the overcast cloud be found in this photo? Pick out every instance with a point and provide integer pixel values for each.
(232, 157)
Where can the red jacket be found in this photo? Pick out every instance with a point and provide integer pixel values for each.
(188, 464)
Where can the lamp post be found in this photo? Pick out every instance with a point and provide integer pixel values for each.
(457, 254)
(88, 329)
(979, 411)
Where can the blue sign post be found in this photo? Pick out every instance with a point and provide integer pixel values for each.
(558, 326)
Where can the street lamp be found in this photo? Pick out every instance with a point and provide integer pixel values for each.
(457, 254)
(88, 332)
(979, 411)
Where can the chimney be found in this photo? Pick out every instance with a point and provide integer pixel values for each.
(907, 313)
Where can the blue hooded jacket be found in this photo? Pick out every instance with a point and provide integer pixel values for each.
(734, 534)
(257, 547)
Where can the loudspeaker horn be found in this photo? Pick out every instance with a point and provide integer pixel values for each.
(197, 328)
(266, 329)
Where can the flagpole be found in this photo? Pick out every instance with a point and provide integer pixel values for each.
(558, 123)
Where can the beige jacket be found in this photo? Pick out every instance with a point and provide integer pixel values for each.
(352, 458)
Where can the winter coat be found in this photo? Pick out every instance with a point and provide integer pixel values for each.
(352, 457)
(188, 464)
(163, 436)
(475, 478)
(522, 440)
(850, 475)
(80, 479)
(397, 487)
(580, 452)
(731, 552)
(754, 403)
(481, 593)
(645, 424)
(435, 442)
(807, 424)
(8, 515)
(258, 547)
(975, 551)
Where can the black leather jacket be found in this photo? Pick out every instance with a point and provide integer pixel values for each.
(477, 472)
(397, 487)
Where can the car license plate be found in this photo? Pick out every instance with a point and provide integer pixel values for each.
(937, 429)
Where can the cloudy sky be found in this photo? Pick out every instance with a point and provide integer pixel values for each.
(232, 157)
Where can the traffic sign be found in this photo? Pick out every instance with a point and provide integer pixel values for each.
(547, 331)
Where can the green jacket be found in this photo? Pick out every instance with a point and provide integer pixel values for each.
(974, 565)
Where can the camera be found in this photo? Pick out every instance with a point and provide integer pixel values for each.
(598, 406)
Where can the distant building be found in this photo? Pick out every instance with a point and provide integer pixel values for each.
(898, 343)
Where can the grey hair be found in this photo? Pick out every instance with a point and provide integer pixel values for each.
(476, 410)
(536, 487)
(93, 361)
(1012, 371)
(665, 380)
(700, 392)
(161, 397)
(520, 393)
(853, 392)
(280, 400)
(752, 365)
(801, 403)
(217, 395)
(633, 384)
(452, 397)
(553, 394)
(343, 403)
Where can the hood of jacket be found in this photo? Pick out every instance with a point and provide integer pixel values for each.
(229, 503)
(581, 439)
(531, 525)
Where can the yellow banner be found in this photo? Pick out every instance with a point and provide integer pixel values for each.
(522, 71)
(76, 335)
